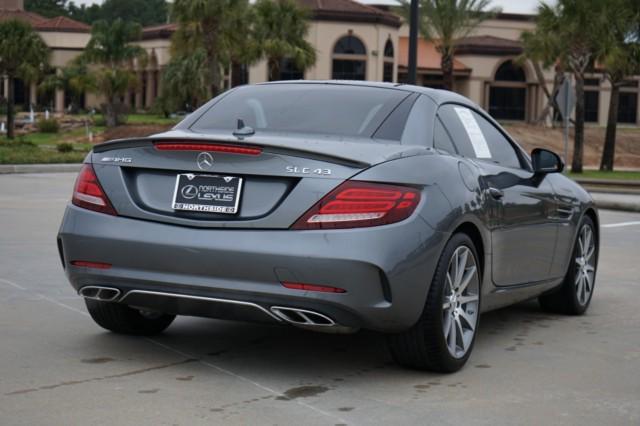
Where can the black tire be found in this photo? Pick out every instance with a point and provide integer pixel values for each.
(126, 320)
(565, 300)
(424, 345)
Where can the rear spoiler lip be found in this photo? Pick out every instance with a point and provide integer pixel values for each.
(142, 142)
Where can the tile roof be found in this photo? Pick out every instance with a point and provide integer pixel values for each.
(350, 11)
(488, 45)
(40, 23)
(62, 23)
(159, 31)
(321, 10)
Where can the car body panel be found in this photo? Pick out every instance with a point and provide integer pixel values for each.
(525, 238)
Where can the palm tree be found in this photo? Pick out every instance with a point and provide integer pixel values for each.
(620, 56)
(110, 50)
(575, 26)
(541, 50)
(447, 21)
(23, 54)
(184, 82)
(220, 27)
(280, 27)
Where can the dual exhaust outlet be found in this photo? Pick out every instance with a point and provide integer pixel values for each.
(302, 318)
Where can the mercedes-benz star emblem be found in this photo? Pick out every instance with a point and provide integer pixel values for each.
(189, 192)
(204, 161)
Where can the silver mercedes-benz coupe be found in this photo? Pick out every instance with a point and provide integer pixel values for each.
(331, 206)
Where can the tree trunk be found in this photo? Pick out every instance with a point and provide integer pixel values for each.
(578, 144)
(210, 30)
(608, 154)
(110, 113)
(274, 69)
(446, 63)
(550, 105)
(10, 108)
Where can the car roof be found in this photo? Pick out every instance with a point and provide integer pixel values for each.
(437, 95)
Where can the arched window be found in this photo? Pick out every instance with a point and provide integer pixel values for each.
(387, 72)
(349, 59)
(508, 93)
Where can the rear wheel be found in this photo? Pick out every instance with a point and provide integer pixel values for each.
(443, 337)
(126, 320)
(574, 295)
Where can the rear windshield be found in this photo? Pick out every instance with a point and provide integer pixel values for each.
(303, 108)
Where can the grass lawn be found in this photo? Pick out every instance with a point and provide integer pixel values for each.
(151, 119)
(16, 152)
(595, 174)
(39, 147)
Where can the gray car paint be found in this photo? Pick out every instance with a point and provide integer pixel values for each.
(386, 270)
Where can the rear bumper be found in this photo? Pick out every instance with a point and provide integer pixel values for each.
(386, 271)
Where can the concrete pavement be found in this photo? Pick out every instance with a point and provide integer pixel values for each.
(528, 367)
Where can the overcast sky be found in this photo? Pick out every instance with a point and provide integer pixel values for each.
(510, 6)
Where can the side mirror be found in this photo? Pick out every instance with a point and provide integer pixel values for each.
(545, 161)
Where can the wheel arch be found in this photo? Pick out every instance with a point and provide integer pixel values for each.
(471, 230)
(593, 215)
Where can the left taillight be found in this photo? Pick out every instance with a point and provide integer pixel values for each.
(356, 204)
(88, 193)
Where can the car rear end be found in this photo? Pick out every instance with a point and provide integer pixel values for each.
(275, 228)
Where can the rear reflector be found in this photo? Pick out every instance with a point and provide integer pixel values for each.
(87, 264)
(228, 149)
(89, 194)
(312, 287)
(361, 204)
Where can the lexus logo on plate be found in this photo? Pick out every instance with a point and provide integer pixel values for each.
(204, 161)
(189, 192)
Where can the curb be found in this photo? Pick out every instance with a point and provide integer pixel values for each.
(40, 168)
(619, 206)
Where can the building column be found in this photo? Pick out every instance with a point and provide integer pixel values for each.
(159, 83)
(59, 102)
(33, 94)
(5, 87)
(139, 92)
(151, 86)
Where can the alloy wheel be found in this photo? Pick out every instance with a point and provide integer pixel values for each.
(585, 265)
(460, 301)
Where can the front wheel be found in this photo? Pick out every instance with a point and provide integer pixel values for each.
(123, 319)
(574, 295)
(443, 337)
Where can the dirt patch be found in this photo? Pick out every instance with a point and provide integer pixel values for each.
(627, 143)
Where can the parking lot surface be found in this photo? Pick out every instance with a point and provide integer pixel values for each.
(528, 367)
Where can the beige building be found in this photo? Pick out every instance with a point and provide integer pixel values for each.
(486, 71)
(352, 41)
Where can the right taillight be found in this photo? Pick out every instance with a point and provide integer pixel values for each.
(89, 194)
(360, 204)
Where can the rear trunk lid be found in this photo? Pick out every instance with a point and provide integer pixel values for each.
(281, 176)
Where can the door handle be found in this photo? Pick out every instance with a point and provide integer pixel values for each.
(495, 193)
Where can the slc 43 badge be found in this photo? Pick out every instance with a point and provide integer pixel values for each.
(308, 171)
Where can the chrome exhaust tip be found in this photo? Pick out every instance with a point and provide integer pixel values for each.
(310, 320)
(298, 316)
(103, 294)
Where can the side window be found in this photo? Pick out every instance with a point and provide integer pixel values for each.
(475, 137)
(454, 126)
(502, 152)
(441, 139)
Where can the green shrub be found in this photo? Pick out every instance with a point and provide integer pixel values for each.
(48, 126)
(19, 142)
(64, 147)
(99, 121)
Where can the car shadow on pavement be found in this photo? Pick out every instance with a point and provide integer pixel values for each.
(309, 357)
